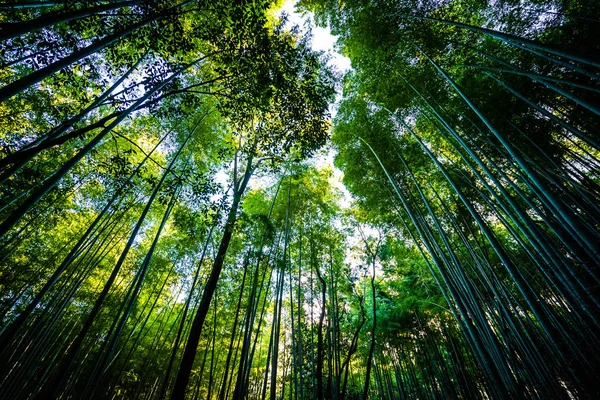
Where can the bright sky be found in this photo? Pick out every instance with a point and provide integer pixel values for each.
(322, 37)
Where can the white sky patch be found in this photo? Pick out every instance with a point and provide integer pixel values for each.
(322, 39)
(222, 178)
(324, 159)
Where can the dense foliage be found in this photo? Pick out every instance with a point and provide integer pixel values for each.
(166, 230)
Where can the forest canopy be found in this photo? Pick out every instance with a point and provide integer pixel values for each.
(171, 227)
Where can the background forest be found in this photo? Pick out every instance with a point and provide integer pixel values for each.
(169, 229)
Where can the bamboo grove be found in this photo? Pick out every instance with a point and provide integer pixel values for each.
(168, 228)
